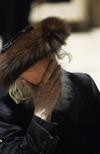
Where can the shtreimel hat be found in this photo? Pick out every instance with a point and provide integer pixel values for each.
(29, 46)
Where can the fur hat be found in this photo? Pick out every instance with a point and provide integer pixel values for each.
(30, 46)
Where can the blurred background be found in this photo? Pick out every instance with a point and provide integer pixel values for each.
(83, 18)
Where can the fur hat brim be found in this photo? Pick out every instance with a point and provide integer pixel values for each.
(46, 38)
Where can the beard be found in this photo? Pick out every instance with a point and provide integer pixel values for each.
(21, 94)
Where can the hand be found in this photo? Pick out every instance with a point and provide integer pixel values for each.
(46, 94)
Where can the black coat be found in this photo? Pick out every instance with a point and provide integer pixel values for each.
(76, 131)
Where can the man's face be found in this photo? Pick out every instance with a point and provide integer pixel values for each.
(35, 73)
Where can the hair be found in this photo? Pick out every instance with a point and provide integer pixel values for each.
(20, 93)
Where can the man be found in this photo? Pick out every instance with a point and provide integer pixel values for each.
(47, 109)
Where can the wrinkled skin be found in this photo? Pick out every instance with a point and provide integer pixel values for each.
(46, 93)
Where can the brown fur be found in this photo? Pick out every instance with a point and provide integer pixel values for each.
(47, 37)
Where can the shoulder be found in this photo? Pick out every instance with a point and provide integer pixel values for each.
(82, 77)
(3, 92)
(83, 80)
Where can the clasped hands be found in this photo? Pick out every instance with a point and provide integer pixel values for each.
(46, 94)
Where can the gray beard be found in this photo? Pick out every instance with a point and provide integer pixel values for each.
(20, 94)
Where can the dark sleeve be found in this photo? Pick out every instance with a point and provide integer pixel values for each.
(39, 138)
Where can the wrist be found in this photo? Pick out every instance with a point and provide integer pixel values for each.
(43, 115)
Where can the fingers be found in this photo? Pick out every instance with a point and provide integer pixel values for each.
(57, 91)
(55, 85)
(49, 71)
(55, 97)
(54, 81)
(55, 75)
